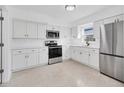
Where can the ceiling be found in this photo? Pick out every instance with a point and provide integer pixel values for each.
(58, 11)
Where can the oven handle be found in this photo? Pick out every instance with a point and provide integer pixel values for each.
(55, 47)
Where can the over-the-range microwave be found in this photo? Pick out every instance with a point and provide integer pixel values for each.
(51, 34)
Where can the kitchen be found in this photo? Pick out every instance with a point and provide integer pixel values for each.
(38, 41)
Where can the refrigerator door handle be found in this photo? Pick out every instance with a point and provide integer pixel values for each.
(114, 37)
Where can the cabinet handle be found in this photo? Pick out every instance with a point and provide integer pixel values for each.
(20, 51)
(26, 56)
(89, 54)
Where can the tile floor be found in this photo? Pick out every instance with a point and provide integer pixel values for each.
(66, 74)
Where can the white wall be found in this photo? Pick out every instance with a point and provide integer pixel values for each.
(107, 12)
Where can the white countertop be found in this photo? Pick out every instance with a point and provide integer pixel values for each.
(29, 48)
(85, 46)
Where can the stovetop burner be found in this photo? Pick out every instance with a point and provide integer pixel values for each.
(51, 43)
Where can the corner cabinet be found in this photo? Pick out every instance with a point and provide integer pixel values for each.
(87, 56)
(41, 31)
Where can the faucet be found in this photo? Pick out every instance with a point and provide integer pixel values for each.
(87, 43)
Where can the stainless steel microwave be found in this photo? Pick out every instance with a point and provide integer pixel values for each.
(50, 34)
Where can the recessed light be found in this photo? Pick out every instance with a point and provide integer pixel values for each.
(70, 7)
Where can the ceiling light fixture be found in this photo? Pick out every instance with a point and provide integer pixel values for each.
(70, 7)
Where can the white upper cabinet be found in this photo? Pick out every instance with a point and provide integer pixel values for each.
(65, 32)
(28, 30)
(32, 30)
(19, 29)
(97, 28)
(41, 31)
(74, 32)
(110, 20)
(53, 27)
(120, 17)
(114, 19)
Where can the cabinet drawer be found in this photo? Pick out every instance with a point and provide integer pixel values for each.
(43, 49)
(95, 51)
(24, 51)
(20, 51)
(32, 50)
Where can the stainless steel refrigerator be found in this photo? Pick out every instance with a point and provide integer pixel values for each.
(112, 49)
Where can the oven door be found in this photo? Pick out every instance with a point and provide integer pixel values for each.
(55, 52)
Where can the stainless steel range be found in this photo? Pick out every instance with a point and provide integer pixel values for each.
(55, 52)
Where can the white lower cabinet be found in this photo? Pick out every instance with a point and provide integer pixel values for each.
(94, 59)
(65, 52)
(19, 61)
(86, 56)
(43, 56)
(27, 58)
(32, 59)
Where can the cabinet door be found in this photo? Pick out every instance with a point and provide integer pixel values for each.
(75, 54)
(18, 62)
(19, 29)
(94, 60)
(65, 32)
(72, 53)
(66, 52)
(32, 59)
(41, 31)
(110, 20)
(74, 32)
(43, 57)
(84, 57)
(32, 30)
